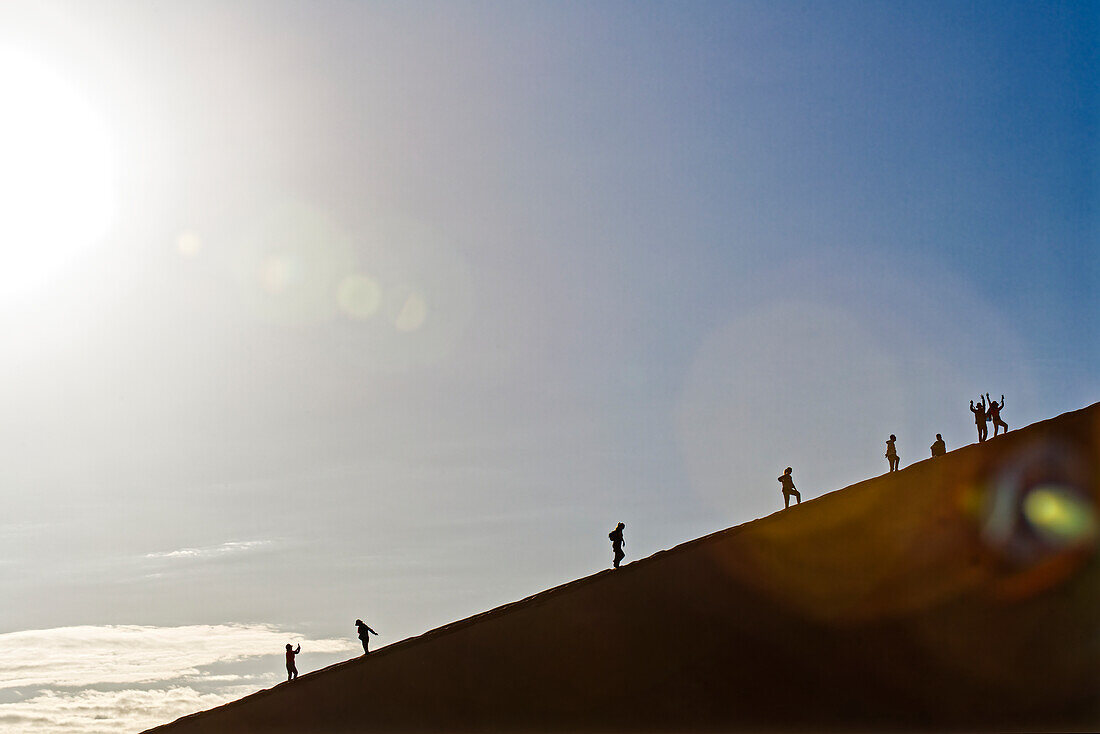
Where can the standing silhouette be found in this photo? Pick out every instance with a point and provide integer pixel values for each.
(364, 634)
(995, 414)
(939, 448)
(980, 418)
(617, 543)
(892, 453)
(291, 668)
(788, 488)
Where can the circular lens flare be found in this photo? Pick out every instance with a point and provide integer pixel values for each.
(189, 244)
(1059, 515)
(359, 296)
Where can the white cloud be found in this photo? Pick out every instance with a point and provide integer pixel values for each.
(95, 712)
(233, 546)
(62, 680)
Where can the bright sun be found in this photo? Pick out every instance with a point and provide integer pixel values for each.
(56, 174)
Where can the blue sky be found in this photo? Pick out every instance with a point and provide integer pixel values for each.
(619, 261)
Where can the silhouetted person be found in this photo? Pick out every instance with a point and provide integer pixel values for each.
(939, 448)
(995, 414)
(364, 634)
(617, 542)
(892, 453)
(788, 488)
(291, 668)
(980, 417)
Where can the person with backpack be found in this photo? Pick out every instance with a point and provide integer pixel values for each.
(617, 543)
(788, 488)
(364, 634)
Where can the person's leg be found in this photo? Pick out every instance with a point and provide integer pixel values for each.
(365, 650)
(786, 500)
(798, 496)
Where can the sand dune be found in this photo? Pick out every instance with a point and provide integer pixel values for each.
(962, 592)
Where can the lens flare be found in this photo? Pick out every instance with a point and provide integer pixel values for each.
(290, 261)
(1059, 515)
(189, 244)
(280, 273)
(359, 296)
(412, 312)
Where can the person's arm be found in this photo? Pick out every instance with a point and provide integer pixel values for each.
(1002, 405)
(299, 649)
(371, 631)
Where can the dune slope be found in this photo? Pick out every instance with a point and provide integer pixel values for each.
(961, 592)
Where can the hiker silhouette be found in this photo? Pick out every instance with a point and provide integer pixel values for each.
(892, 453)
(939, 448)
(995, 414)
(617, 543)
(291, 668)
(788, 488)
(980, 418)
(364, 634)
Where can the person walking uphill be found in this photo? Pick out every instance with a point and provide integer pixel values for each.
(291, 668)
(788, 488)
(892, 453)
(364, 634)
(617, 542)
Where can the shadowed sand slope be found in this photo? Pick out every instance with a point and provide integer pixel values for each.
(961, 592)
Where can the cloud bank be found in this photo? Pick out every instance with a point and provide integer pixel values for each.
(114, 678)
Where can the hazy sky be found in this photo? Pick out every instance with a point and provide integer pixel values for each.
(393, 310)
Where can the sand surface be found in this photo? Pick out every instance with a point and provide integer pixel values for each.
(961, 593)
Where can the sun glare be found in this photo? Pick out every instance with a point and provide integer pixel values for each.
(56, 177)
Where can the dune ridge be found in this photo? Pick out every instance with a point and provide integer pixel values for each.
(908, 601)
